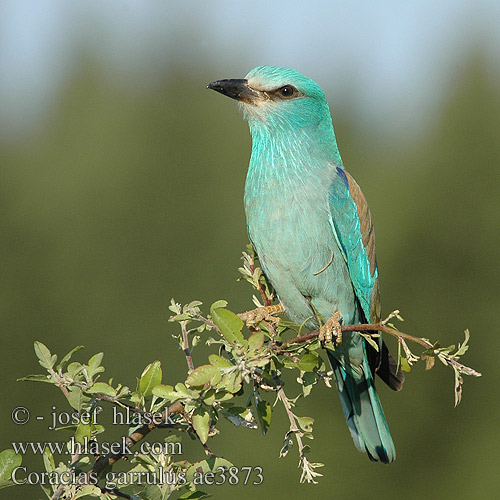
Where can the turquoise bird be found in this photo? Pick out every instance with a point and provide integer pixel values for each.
(312, 230)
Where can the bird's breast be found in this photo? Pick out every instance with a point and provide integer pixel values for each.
(290, 228)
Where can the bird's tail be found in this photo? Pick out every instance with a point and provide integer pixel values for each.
(363, 412)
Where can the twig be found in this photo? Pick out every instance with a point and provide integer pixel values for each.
(185, 347)
(112, 399)
(133, 409)
(59, 383)
(60, 489)
(291, 416)
(367, 327)
(103, 462)
(57, 494)
(120, 494)
(208, 451)
(308, 472)
(267, 300)
(208, 322)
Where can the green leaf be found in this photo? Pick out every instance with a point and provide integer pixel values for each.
(258, 361)
(231, 382)
(223, 395)
(151, 377)
(94, 365)
(174, 307)
(305, 423)
(370, 339)
(308, 362)
(76, 398)
(9, 460)
(166, 392)
(47, 490)
(201, 424)
(216, 378)
(182, 389)
(75, 369)
(230, 325)
(82, 432)
(88, 490)
(256, 340)
(45, 358)
(308, 380)
(102, 387)
(405, 366)
(240, 417)
(219, 362)
(204, 466)
(217, 305)
(36, 378)
(264, 415)
(202, 375)
(462, 348)
(153, 492)
(209, 397)
(289, 363)
(180, 317)
(66, 358)
(193, 495)
(48, 460)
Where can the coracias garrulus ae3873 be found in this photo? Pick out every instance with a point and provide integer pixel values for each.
(311, 227)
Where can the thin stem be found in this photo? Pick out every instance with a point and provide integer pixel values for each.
(120, 494)
(367, 327)
(291, 417)
(60, 489)
(268, 300)
(185, 347)
(102, 463)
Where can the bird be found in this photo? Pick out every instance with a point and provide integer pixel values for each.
(312, 230)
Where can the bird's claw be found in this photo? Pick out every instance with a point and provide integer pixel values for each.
(255, 316)
(330, 329)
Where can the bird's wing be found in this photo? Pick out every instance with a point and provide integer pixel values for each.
(352, 225)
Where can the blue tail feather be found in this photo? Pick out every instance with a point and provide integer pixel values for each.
(363, 412)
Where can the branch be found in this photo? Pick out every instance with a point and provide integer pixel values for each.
(185, 347)
(308, 472)
(60, 489)
(380, 327)
(103, 462)
(120, 494)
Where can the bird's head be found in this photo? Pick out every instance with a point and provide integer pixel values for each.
(278, 100)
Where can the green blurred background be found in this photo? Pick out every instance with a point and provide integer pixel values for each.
(121, 186)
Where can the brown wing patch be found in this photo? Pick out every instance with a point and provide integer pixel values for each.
(375, 303)
(365, 218)
(381, 362)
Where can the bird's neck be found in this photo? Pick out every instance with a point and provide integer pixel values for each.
(281, 155)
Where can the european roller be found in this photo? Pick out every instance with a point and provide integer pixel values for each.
(312, 230)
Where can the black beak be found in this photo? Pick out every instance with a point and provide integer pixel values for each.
(235, 88)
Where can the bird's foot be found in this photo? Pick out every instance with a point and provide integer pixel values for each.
(255, 316)
(330, 329)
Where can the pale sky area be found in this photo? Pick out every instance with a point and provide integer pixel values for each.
(383, 53)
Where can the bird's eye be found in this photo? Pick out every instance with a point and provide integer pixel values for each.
(287, 91)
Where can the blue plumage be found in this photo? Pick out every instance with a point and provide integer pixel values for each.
(313, 233)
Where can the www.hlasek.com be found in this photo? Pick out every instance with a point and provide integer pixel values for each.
(93, 447)
(221, 475)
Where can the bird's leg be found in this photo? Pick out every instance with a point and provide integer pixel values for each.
(331, 328)
(255, 316)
